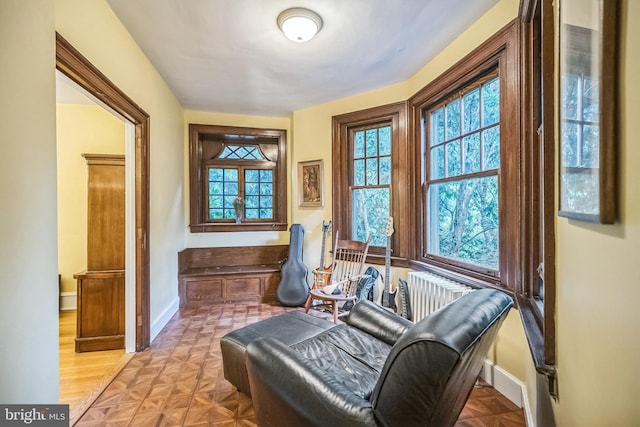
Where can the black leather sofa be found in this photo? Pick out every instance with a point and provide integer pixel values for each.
(377, 369)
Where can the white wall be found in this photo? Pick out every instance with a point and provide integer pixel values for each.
(28, 219)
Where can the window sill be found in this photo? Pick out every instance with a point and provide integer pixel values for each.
(465, 277)
(233, 227)
(380, 259)
(532, 324)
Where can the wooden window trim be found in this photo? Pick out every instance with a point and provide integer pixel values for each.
(197, 185)
(501, 51)
(401, 177)
(538, 112)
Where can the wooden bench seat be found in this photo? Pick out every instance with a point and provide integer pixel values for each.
(230, 274)
(232, 269)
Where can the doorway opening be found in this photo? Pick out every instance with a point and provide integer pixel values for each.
(75, 67)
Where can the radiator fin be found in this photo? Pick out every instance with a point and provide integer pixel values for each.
(428, 292)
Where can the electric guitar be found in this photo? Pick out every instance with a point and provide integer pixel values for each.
(388, 297)
(322, 274)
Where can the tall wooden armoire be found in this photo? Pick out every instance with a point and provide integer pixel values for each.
(100, 312)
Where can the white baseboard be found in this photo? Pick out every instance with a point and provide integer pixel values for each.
(528, 414)
(163, 318)
(509, 386)
(68, 300)
(505, 383)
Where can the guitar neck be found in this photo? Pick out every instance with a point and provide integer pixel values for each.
(321, 278)
(387, 265)
(324, 235)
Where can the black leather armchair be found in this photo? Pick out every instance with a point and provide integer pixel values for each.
(377, 369)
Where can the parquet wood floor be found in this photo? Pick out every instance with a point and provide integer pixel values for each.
(178, 381)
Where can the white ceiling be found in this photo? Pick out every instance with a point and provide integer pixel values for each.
(229, 55)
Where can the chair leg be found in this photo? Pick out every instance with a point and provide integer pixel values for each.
(334, 308)
(307, 304)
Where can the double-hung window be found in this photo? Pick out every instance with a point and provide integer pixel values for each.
(370, 179)
(370, 182)
(470, 185)
(462, 186)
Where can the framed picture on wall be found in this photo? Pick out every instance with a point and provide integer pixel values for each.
(311, 183)
(588, 99)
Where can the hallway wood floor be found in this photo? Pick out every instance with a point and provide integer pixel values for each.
(80, 372)
(178, 381)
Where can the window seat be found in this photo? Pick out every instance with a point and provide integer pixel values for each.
(229, 274)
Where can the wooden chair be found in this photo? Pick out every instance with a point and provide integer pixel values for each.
(348, 263)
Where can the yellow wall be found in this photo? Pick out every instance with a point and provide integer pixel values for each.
(312, 141)
(80, 129)
(233, 239)
(28, 219)
(597, 311)
(93, 29)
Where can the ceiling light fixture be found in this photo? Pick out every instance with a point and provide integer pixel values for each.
(299, 24)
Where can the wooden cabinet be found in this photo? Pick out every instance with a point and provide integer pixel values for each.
(100, 310)
(100, 319)
(257, 286)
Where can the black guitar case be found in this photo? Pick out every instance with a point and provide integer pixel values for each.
(293, 289)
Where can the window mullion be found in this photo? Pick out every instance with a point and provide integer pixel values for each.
(461, 154)
(241, 186)
(580, 115)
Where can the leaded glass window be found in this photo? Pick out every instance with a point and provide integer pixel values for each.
(223, 189)
(258, 190)
(240, 172)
